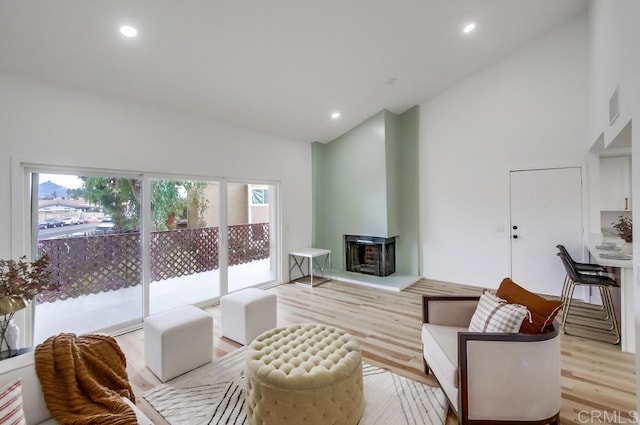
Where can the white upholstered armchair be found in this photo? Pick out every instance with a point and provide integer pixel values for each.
(490, 378)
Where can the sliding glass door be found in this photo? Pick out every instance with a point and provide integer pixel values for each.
(89, 227)
(185, 233)
(121, 247)
(250, 213)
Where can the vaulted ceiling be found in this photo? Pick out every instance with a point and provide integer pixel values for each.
(277, 66)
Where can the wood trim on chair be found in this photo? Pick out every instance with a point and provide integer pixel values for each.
(463, 337)
(425, 315)
(463, 395)
(427, 298)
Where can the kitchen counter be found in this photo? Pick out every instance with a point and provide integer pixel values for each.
(608, 262)
(627, 313)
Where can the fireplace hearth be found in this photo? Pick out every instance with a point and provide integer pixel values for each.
(370, 255)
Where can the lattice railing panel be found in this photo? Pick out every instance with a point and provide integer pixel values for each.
(92, 264)
(248, 243)
(183, 252)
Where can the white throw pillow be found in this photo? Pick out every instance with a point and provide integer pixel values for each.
(494, 314)
(11, 404)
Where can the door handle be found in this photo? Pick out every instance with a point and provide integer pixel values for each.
(626, 203)
(515, 236)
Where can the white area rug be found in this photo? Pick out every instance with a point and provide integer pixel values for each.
(214, 394)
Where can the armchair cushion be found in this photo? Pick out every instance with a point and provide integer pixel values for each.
(543, 311)
(445, 357)
(440, 349)
(494, 314)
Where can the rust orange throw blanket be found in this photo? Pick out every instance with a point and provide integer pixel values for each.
(83, 378)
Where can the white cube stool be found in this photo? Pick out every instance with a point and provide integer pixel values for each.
(177, 341)
(247, 313)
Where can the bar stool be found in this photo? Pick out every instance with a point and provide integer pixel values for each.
(607, 325)
(583, 309)
(586, 268)
(582, 267)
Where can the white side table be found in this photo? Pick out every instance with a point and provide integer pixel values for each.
(320, 257)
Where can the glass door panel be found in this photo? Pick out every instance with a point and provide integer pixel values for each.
(88, 226)
(250, 212)
(183, 245)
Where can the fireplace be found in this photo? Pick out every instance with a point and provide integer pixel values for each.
(370, 255)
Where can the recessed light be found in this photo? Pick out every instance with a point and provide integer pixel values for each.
(128, 31)
(470, 27)
(335, 115)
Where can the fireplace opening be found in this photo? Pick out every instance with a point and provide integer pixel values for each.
(370, 255)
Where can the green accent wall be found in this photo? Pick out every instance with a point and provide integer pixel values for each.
(392, 148)
(407, 243)
(361, 181)
(318, 188)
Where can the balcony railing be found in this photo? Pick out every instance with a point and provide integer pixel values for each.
(83, 265)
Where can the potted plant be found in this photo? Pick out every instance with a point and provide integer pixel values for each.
(20, 281)
(624, 227)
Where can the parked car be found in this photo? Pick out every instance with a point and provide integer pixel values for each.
(105, 227)
(70, 221)
(42, 225)
(90, 219)
(54, 222)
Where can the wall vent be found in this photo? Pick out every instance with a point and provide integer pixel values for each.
(614, 105)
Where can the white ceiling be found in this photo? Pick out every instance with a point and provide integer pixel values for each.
(277, 66)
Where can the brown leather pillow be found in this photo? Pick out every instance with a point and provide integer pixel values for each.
(543, 311)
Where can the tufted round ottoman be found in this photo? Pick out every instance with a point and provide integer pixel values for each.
(304, 374)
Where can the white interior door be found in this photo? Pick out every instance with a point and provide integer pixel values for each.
(546, 210)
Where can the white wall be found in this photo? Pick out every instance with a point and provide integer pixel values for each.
(529, 110)
(615, 59)
(614, 26)
(609, 46)
(40, 123)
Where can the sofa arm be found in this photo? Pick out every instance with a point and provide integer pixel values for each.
(448, 310)
(524, 372)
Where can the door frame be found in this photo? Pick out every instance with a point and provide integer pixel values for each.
(22, 227)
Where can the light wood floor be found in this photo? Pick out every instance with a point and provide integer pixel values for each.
(595, 376)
